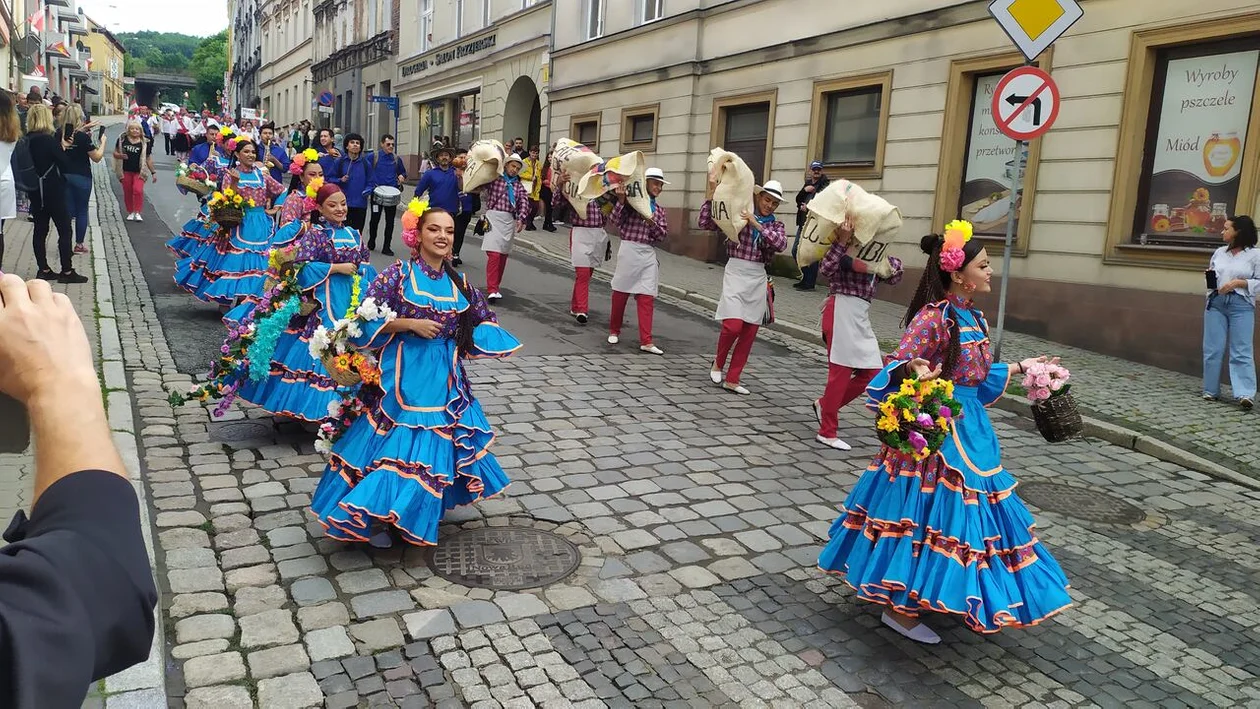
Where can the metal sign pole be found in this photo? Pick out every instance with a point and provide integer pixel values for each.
(1011, 216)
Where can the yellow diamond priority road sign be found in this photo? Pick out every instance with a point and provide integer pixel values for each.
(1033, 25)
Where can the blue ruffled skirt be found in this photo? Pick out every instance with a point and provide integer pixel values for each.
(947, 534)
(298, 386)
(223, 270)
(420, 449)
(194, 233)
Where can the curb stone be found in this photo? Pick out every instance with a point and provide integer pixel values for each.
(1094, 428)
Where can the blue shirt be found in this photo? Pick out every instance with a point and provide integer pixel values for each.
(281, 157)
(356, 186)
(385, 169)
(443, 188)
(199, 154)
(329, 164)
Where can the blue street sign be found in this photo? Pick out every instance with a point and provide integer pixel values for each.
(326, 98)
(390, 101)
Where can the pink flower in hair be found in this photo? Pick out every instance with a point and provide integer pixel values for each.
(231, 145)
(411, 238)
(295, 169)
(952, 260)
(309, 204)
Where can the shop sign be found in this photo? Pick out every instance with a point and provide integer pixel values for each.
(1197, 163)
(447, 56)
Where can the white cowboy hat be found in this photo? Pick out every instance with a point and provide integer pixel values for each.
(514, 158)
(655, 173)
(772, 188)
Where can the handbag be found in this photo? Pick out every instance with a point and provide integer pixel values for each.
(768, 318)
(483, 226)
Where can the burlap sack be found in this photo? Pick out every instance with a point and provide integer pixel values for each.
(485, 164)
(575, 160)
(734, 193)
(624, 169)
(875, 222)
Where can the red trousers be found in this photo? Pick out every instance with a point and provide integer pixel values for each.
(495, 263)
(740, 334)
(646, 304)
(844, 384)
(582, 290)
(133, 192)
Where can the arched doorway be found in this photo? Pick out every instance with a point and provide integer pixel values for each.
(522, 115)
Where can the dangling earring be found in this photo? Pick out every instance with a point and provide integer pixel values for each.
(968, 287)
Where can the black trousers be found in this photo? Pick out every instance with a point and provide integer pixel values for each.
(390, 213)
(462, 220)
(52, 209)
(357, 217)
(170, 148)
(545, 196)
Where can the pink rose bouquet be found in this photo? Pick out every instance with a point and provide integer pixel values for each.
(1044, 380)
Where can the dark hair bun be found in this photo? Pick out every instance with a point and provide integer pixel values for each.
(931, 243)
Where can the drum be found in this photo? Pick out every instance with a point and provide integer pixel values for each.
(387, 196)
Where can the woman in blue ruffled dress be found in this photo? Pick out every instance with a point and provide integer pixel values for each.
(334, 274)
(225, 269)
(198, 230)
(947, 534)
(421, 444)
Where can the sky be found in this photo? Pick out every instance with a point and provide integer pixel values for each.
(158, 15)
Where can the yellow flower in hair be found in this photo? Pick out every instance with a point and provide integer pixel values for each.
(311, 154)
(417, 206)
(313, 187)
(957, 233)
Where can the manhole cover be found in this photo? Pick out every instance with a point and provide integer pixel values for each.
(240, 431)
(504, 558)
(1079, 502)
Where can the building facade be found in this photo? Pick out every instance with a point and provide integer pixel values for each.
(355, 51)
(1157, 137)
(104, 63)
(244, 54)
(475, 68)
(286, 28)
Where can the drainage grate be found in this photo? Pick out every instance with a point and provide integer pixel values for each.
(1084, 503)
(505, 558)
(240, 431)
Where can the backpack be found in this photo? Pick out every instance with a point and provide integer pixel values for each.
(25, 177)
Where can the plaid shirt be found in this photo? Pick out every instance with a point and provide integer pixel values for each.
(634, 227)
(846, 279)
(758, 247)
(594, 218)
(495, 198)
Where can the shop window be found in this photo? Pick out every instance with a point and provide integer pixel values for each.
(593, 18)
(638, 128)
(469, 119)
(585, 130)
(649, 11)
(978, 163)
(743, 125)
(848, 124)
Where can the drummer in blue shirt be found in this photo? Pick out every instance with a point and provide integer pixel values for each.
(386, 171)
(353, 175)
(441, 182)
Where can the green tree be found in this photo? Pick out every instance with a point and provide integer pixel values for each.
(209, 62)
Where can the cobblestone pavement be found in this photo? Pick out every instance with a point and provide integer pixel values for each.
(689, 521)
(1110, 389)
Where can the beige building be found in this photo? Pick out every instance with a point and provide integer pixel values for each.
(105, 63)
(285, 73)
(354, 52)
(1157, 138)
(475, 68)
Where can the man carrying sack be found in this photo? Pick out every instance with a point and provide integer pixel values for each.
(638, 271)
(588, 243)
(507, 208)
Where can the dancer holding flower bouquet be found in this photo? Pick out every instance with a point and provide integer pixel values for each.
(934, 524)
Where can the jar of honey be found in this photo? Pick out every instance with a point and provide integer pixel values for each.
(1220, 153)
(1160, 221)
(1216, 224)
(1198, 215)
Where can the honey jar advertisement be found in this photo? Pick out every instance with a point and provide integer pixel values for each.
(1198, 150)
(990, 168)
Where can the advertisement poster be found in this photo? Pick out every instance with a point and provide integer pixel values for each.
(990, 166)
(1198, 147)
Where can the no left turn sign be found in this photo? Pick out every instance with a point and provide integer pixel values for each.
(1025, 103)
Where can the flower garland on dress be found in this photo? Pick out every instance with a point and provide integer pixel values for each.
(342, 359)
(917, 418)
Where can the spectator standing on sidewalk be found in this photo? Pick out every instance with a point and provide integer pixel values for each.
(82, 152)
(133, 164)
(387, 171)
(1231, 313)
(638, 271)
(588, 244)
(531, 178)
(48, 202)
(548, 178)
(853, 355)
(10, 132)
(816, 182)
(507, 208)
(745, 287)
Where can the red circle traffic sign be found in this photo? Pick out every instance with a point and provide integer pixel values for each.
(1025, 103)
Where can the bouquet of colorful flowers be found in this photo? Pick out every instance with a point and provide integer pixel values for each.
(193, 178)
(916, 419)
(341, 414)
(346, 364)
(227, 209)
(1054, 409)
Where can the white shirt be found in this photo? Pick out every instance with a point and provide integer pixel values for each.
(1244, 265)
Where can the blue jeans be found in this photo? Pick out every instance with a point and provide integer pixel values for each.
(809, 274)
(78, 192)
(1229, 318)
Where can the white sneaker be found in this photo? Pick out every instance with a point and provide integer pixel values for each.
(613, 339)
(715, 375)
(737, 388)
(651, 349)
(131, 216)
(580, 317)
(919, 633)
(494, 296)
(833, 443)
(139, 217)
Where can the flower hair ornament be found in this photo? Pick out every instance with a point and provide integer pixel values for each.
(312, 189)
(957, 234)
(411, 222)
(301, 159)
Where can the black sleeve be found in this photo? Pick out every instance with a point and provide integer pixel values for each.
(76, 592)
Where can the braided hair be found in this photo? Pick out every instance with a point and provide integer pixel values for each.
(934, 285)
(467, 319)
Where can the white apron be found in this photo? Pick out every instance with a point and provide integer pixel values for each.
(743, 292)
(502, 229)
(637, 270)
(590, 243)
(853, 342)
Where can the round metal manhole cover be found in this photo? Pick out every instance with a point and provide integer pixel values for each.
(1079, 502)
(505, 558)
(240, 431)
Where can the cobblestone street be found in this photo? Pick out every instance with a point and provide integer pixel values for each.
(656, 548)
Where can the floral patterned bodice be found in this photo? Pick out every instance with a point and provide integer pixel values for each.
(328, 244)
(256, 184)
(928, 338)
(404, 284)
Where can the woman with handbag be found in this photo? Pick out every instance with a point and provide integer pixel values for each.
(48, 202)
(133, 165)
(744, 302)
(1234, 280)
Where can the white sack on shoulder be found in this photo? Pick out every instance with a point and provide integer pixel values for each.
(575, 160)
(485, 164)
(733, 194)
(874, 221)
(625, 169)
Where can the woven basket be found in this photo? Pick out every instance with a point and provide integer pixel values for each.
(345, 379)
(227, 217)
(197, 187)
(1058, 419)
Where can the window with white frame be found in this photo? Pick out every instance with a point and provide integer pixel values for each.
(593, 19)
(426, 25)
(459, 18)
(649, 11)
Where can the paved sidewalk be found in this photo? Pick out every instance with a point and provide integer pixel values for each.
(1158, 403)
